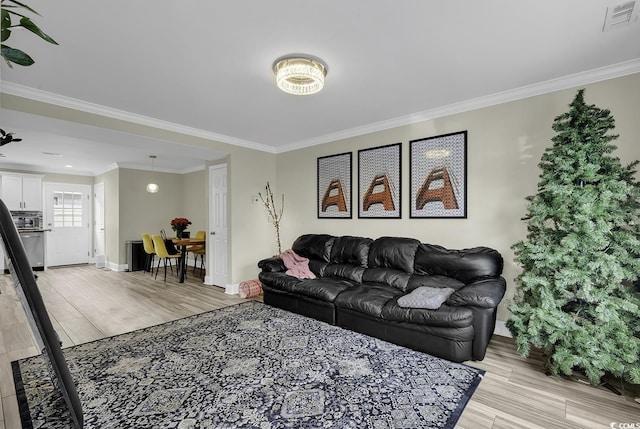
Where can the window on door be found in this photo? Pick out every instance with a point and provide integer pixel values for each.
(67, 209)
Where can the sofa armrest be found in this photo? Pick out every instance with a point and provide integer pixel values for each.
(274, 264)
(484, 293)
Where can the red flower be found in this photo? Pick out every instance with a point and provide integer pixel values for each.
(180, 223)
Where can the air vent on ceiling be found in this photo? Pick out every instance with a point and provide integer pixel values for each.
(620, 15)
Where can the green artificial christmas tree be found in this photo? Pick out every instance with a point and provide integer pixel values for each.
(575, 297)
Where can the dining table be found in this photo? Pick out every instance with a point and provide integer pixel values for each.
(183, 244)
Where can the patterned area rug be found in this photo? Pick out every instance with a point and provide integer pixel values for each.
(248, 366)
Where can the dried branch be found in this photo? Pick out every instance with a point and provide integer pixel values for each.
(274, 216)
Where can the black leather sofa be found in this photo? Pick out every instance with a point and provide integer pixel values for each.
(359, 282)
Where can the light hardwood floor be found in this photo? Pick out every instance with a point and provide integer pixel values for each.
(86, 303)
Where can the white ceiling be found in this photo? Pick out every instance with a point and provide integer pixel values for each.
(204, 68)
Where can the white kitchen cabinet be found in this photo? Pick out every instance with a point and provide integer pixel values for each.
(22, 192)
(32, 193)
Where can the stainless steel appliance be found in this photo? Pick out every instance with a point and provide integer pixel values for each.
(29, 226)
(33, 243)
(27, 220)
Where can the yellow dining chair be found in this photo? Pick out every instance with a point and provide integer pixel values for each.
(149, 250)
(161, 251)
(199, 250)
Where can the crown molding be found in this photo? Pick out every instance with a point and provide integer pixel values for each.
(106, 169)
(565, 82)
(194, 169)
(85, 106)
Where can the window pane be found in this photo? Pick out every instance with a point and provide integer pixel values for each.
(67, 209)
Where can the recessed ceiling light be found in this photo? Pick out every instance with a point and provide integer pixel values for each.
(68, 166)
(52, 154)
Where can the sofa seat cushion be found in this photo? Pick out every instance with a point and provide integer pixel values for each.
(325, 289)
(279, 281)
(445, 316)
(368, 298)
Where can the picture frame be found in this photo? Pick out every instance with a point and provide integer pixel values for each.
(438, 170)
(334, 186)
(379, 182)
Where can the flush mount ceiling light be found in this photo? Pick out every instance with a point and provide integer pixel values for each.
(300, 74)
(152, 188)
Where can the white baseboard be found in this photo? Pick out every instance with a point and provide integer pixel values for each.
(115, 267)
(501, 329)
(232, 289)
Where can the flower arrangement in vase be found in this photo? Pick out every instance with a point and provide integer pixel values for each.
(179, 224)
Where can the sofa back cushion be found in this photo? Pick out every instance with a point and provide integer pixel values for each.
(434, 281)
(350, 251)
(314, 246)
(387, 276)
(393, 252)
(344, 271)
(466, 265)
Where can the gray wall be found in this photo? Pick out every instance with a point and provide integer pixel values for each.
(504, 148)
(248, 171)
(505, 143)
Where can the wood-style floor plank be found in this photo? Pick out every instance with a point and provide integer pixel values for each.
(86, 303)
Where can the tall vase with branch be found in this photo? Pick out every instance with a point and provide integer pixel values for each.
(273, 214)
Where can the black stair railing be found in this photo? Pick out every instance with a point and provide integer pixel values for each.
(36, 312)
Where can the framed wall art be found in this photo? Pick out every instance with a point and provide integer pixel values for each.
(379, 172)
(334, 186)
(439, 176)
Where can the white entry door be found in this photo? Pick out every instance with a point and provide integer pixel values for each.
(217, 245)
(98, 225)
(67, 217)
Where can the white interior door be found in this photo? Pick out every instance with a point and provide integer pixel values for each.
(217, 245)
(67, 217)
(98, 225)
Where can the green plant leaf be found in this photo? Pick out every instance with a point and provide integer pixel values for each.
(19, 4)
(12, 12)
(16, 56)
(6, 23)
(31, 26)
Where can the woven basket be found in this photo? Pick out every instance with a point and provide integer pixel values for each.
(250, 288)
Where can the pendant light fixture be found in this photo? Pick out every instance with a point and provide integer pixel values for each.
(152, 188)
(300, 74)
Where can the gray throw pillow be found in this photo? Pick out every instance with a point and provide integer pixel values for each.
(429, 298)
